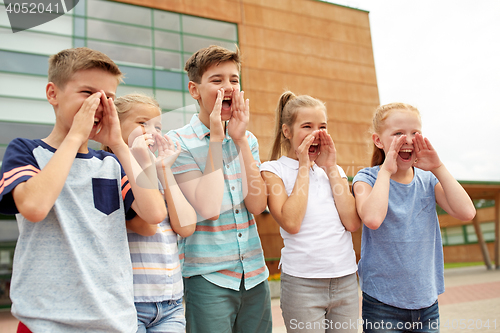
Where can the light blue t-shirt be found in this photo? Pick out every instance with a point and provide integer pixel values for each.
(402, 261)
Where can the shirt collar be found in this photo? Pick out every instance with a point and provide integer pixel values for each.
(293, 164)
(201, 130)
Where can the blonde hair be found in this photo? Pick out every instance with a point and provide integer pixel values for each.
(286, 114)
(381, 114)
(125, 103)
(63, 65)
(203, 59)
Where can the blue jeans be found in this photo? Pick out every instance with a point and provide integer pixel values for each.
(320, 305)
(161, 317)
(379, 317)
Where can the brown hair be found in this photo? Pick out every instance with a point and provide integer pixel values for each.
(286, 114)
(124, 103)
(200, 61)
(64, 64)
(381, 114)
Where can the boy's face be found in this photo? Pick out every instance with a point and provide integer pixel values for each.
(224, 75)
(67, 101)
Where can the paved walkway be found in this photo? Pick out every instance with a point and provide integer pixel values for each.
(470, 303)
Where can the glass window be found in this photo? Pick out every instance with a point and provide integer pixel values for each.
(23, 63)
(166, 20)
(168, 80)
(210, 28)
(113, 11)
(125, 90)
(193, 44)
(79, 27)
(79, 9)
(119, 33)
(471, 234)
(167, 40)
(32, 42)
(455, 235)
(10, 131)
(26, 111)
(168, 60)
(130, 54)
(58, 24)
(137, 76)
(23, 85)
(488, 230)
(169, 100)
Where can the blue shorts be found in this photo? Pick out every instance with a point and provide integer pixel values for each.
(166, 316)
(379, 317)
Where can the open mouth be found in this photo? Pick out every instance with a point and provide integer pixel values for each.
(405, 154)
(314, 148)
(226, 102)
(96, 121)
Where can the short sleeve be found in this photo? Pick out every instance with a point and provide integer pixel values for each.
(254, 147)
(19, 165)
(341, 172)
(273, 167)
(366, 175)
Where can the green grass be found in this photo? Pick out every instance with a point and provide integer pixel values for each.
(465, 264)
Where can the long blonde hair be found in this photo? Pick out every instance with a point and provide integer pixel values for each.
(125, 103)
(286, 113)
(381, 114)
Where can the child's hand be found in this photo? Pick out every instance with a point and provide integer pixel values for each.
(140, 150)
(328, 154)
(109, 131)
(240, 115)
(168, 151)
(302, 151)
(427, 157)
(216, 129)
(390, 163)
(83, 121)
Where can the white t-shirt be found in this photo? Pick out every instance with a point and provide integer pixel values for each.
(323, 247)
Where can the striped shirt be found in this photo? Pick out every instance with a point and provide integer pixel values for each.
(156, 266)
(228, 249)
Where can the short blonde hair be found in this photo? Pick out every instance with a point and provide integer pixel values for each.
(203, 59)
(63, 65)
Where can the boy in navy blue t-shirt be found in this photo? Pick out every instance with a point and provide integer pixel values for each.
(72, 270)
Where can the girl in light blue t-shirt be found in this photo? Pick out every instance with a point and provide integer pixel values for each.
(401, 266)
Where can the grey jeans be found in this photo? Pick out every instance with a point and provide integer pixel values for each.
(320, 305)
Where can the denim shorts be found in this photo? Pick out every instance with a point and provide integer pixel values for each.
(379, 317)
(166, 316)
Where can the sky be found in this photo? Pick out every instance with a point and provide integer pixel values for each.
(443, 57)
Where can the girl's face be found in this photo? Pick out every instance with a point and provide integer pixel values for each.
(309, 119)
(400, 122)
(141, 119)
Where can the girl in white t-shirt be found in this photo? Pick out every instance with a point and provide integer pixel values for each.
(309, 197)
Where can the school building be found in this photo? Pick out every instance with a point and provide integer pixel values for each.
(306, 46)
